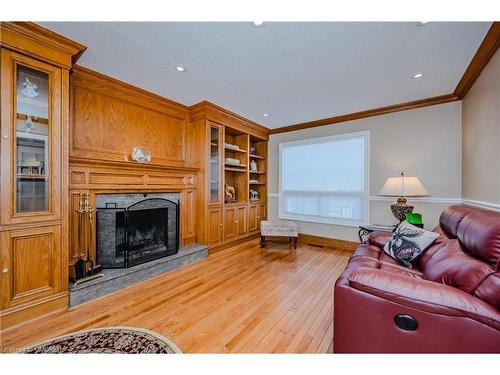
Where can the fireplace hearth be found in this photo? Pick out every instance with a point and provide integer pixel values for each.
(136, 228)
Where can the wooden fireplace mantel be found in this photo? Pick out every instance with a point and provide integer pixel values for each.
(102, 179)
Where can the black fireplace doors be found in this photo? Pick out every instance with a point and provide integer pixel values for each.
(141, 232)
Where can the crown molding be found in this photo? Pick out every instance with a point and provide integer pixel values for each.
(32, 39)
(369, 113)
(93, 80)
(205, 105)
(485, 52)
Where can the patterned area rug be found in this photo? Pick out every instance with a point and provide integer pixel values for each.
(112, 340)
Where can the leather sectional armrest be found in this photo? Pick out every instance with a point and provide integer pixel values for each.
(423, 295)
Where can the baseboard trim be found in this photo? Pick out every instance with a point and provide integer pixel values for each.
(327, 242)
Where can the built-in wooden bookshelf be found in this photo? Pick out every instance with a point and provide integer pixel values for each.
(235, 148)
(232, 141)
(257, 167)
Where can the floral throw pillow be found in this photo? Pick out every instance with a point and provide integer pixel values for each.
(408, 242)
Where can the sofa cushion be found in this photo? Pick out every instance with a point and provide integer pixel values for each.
(451, 217)
(479, 234)
(368, 250)
(369, 256)
(373, 252)
(408, 242)
(451, 266)
(489, 289)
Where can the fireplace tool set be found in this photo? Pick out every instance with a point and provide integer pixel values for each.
(85, 269)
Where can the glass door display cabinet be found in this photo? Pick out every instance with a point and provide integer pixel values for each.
(214, 179)
(31, 152)
(215, 162)
(31, 139)
(34, 147)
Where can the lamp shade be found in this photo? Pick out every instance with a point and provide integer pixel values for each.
(403, 186)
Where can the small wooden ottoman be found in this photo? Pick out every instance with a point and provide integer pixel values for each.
(281, 229)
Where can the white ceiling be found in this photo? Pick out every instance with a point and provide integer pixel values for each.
(296, 72)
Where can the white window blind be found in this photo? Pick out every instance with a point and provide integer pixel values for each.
(325, 180)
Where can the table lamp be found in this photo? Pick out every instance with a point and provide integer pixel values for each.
(402, 187)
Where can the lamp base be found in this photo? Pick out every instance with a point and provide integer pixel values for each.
(400, 209)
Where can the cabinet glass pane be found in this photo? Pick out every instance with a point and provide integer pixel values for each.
(214, 164)
(32, 140)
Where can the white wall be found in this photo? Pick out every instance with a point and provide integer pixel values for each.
(424, 142)
(481, 138)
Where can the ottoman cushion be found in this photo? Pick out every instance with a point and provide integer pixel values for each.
(282, 228)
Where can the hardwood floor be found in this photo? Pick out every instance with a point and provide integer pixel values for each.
(241, 300)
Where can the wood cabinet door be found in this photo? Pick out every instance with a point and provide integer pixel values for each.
(230, 223)
(214, 225)
(253, 213)
(32, 152)
(241, 220)
(188, 204)
(30, 264)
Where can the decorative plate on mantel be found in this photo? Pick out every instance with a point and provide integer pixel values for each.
(141, 155)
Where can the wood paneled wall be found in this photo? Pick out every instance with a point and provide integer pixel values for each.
(110, 118)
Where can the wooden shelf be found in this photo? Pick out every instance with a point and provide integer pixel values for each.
(39, 120)
(34, 176)
(257, 172)
(256, 183)
(239, 203)
(231, 169)
(235, 150)
(257, 156)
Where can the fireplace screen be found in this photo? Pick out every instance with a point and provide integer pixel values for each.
(141, 232)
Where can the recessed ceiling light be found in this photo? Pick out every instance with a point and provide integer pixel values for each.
(266, 114)
(423, 23)
(418, 75)
(258, 23)
(180, 68)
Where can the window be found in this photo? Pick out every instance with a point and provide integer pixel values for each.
(325, 180)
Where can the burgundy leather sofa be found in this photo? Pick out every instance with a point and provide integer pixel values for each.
(449, 303)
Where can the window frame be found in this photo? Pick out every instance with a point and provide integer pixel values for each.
(316, 219)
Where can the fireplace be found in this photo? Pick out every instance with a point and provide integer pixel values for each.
(136, 228)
